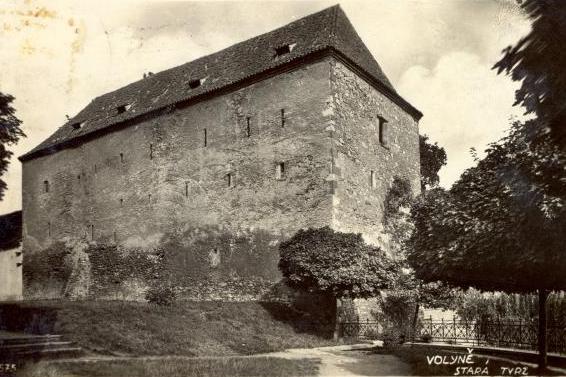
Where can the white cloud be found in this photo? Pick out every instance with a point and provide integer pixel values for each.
(465, 104)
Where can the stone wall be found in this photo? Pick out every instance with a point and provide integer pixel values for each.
(157, 180)
(357, 206)
(219, 207)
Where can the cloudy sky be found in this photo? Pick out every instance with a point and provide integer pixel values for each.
(58, 55)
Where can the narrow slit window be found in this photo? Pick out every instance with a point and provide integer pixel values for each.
(372, 179)
(382, 131)
(46, 186)
(121, 202)
(79, 178)
(248, 127)
(205, 136)
(151, 151)
(229, 181)
(186, 189)
(280, 170)
(49, 229)
(282, 118)
(92, 232)
(122, 157)
(149, 198)
(95, 168)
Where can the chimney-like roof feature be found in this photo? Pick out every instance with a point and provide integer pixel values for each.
(326, 31)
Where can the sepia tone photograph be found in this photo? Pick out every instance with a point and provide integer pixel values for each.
(282, 188)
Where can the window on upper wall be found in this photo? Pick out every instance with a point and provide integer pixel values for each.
(122, 157)
(151, 151)
(49, 229)
(186, 189)
(229, 179)
(46, 186)
(282, 118)
(205, 136)
(280, 170)
(382, 131)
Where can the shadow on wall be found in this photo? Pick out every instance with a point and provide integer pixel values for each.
(200, 264)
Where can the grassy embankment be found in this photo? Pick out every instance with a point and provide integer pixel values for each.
(185, 328)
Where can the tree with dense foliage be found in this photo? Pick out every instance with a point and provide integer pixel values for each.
(10, 133)
(339, 264)
(397, 223)
(432, 159)
(538, 61)
(494, 229)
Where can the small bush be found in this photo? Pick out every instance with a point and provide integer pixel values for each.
(161, 295)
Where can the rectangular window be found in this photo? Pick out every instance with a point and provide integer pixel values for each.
(248, 127)
(121, 202)
(372, 179)
(205, 136)
(46, 186)
(186, 189)
(282, 118)
(122, 157)
(151, 151)
(382, 131)
(280, 170)
(229, 179)
(49, 229)
(92, 232)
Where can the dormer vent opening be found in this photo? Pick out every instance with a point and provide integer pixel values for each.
(193, 84)
(77, 125)
(285, 49)
(123, 108)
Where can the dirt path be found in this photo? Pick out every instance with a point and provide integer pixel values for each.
(335, 361)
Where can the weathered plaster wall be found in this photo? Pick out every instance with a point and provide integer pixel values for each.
(10, 274)
(357, 207)
(157, 179)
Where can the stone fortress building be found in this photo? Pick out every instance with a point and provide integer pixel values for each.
(295, 128)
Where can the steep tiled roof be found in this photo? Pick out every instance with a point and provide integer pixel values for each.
(327, 29)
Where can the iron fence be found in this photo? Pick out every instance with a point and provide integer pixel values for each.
(516, 334)
(360, 330)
